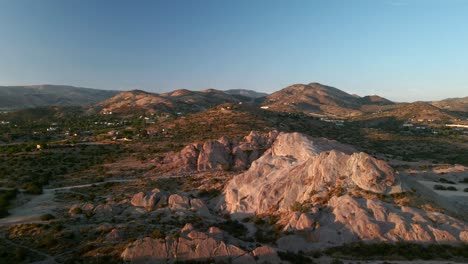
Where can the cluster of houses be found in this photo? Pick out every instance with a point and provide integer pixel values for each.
(337, 122)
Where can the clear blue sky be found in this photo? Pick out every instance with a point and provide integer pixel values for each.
(401, 49)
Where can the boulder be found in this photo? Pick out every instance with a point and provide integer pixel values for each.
(178, 202)
(114, 236)
(221, 154)
(151, 200)
(191, 245)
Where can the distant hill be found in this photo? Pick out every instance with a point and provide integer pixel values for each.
(246, 93)
(19, 97)
(171, 103)
(417, 112)
(316, 98)
(453, 104)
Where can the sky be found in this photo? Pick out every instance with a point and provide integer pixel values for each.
(404, 50)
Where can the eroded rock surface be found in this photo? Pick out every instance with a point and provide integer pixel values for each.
(221, 154)
(297, 167)
(308, 182)
(194, 245)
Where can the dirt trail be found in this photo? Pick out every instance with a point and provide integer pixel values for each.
(41, 204)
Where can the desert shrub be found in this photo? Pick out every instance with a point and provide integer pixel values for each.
(336, 261)
(300, 207)
(48, 241)
(209, 193)
(46, 217)
(234, 228)
(77, 210)
(446, 181)
(32, 188)
(267, 235)
(5, 198)
(401, 250)
(294, 257)
(157, 234)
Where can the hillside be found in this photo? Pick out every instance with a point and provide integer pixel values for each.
(246, 93)
(315, 98)
(453, 104)
(417, 111)
(18, 97)
(135, 102)
(173, 103)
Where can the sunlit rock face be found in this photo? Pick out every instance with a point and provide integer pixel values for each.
(296, 166)
(322, 173)
(222, 154)
(196, 246)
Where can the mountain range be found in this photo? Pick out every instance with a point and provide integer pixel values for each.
(311, 99)
(18, 97)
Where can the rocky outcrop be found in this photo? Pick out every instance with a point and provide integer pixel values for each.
(300, 169)
(196, 246)
(308, 182)
(221, 154)
(151, 200)
(178, 203)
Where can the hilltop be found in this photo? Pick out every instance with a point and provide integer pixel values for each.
(315, 98)
(173, 103)
(18, 97)
(453, 104)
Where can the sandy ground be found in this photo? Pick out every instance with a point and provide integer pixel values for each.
(41, 204)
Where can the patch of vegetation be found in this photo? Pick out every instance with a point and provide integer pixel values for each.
(300, 207)
(446, 181)
(234, 228)
(158, 234)
(14, 254)
(268, 231)
(47, 217)
(399, 251)
(294, 258)
(443, 188)
(5, 199)
(211, 193)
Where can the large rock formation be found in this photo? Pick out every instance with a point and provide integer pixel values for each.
(318, 177)
(299, 169)
(221, 154)
(196, 246)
